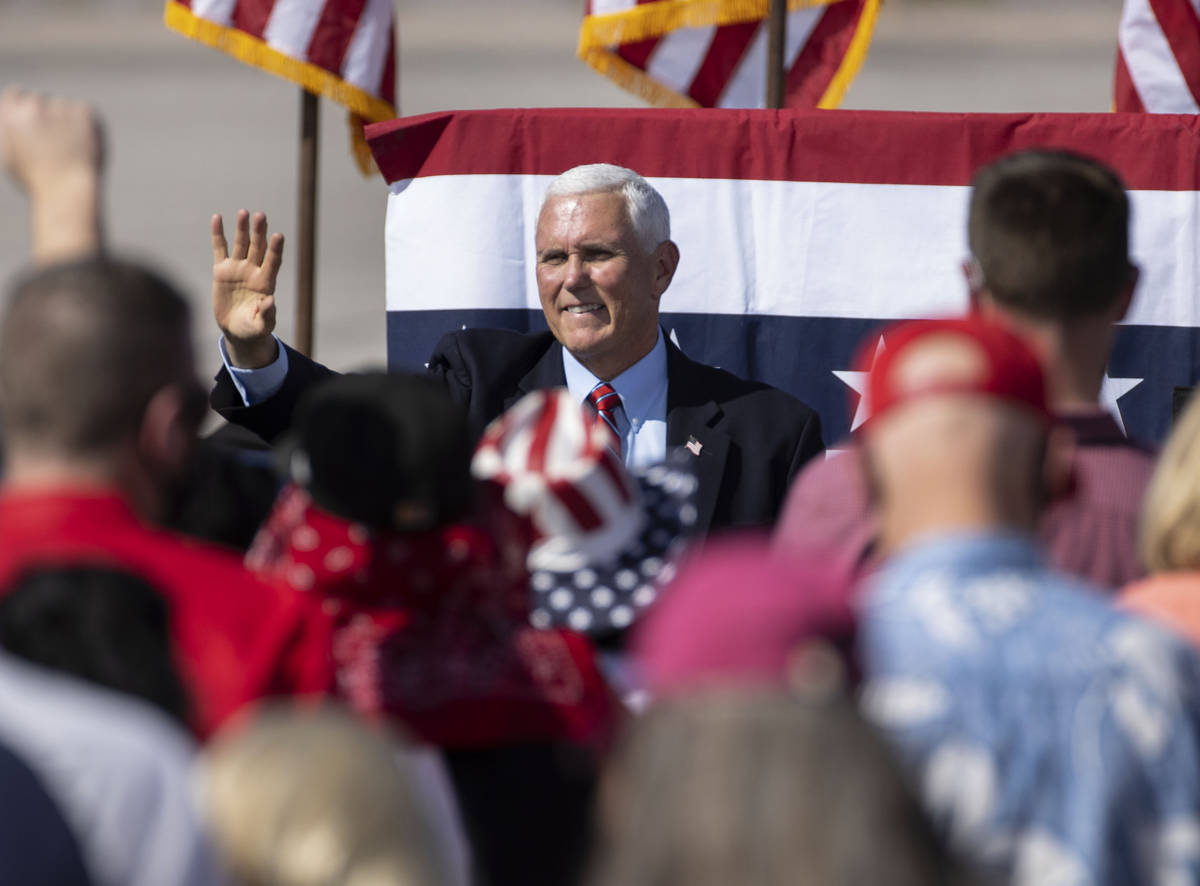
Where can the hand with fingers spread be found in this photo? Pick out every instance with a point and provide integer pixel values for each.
(53, 149)
(244, 288)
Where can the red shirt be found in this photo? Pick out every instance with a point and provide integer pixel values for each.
(236, 637)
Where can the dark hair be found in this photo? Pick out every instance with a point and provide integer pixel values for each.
(1050, 230)
(362, 444)
(98, 623)
(761, 788)
(84, 346)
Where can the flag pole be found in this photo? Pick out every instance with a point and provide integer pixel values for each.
(306, 225)
(776, 41)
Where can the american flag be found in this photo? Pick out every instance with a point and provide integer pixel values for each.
(801, 232)
(1158, 57)
(342, 49)
(713, 53)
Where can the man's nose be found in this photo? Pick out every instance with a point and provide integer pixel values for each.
(576, 272)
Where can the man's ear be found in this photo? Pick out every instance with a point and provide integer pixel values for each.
(168, 428)
(1058, 471)
(666, 260)
(977, 293)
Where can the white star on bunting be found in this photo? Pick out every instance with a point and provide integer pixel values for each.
(1112, 390)
(857, 382)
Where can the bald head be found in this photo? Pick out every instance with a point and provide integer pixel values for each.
(83, 348)
(958, 439)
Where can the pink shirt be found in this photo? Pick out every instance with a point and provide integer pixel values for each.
(1091, 534)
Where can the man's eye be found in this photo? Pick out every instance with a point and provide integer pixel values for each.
(556, 258)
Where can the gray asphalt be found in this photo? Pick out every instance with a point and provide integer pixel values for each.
(192, 132)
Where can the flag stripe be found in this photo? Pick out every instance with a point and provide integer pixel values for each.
(577, 505)
(541, 436)
(638, 54)
(852, 146)
(218, 11)
(728, 46)
(805, 257)
(677, 56)
(1124, 92)
(365, 57)
(1181, 27)
(746, 86)
(817, 63)
(333, 33)
(1152, 67)
(291, 25)
(250, 16)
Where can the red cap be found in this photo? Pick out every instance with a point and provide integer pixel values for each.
(992, 361)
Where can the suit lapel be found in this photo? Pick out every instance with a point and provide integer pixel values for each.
(694, 422)
(547, 372)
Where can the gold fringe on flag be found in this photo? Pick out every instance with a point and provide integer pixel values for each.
(855, 55)
(362, 106)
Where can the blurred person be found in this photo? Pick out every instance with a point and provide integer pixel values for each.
(430, 600)
(740, 615)
(604, 261)
(101, 408)
(1054, 738)
(121, 772)
(54, 151)
(1049, 239)
(315, 799)
(101, 625)
(37, 848)
(53, 148)
(761, 787)
(1170, 533)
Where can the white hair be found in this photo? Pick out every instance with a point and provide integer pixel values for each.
(647, 209)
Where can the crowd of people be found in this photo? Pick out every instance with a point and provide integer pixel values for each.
(572, 607)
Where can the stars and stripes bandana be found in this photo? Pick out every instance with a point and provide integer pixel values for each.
(431, 628)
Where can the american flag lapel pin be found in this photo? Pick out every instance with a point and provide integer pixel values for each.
(694, 446)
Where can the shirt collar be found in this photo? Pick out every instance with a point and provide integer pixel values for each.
(1000, 548)
(643, 386)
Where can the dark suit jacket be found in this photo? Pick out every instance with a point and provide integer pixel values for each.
(751, 438)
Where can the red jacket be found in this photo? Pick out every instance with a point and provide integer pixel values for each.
(236, 637)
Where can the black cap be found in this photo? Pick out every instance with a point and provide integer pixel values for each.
(379, 448)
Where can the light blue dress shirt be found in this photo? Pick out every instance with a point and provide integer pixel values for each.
(642, 418)
(256, 385)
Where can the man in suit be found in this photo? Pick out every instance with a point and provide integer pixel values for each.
(604, 260)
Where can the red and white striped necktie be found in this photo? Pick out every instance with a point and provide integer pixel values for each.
(606, 402)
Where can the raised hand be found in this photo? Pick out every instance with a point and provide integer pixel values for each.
(244, 288)
(53, 149)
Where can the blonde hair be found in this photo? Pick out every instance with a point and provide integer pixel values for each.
(1170, 531)
(313, 798)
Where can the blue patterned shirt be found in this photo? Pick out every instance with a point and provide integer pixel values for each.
(1055, 740)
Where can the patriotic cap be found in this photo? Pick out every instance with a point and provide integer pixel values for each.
(986, 359)
(602, 538)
